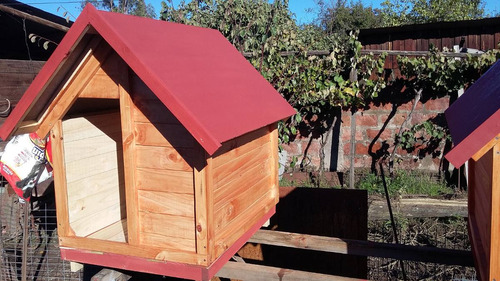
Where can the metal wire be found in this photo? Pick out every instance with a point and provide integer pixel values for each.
(43, 255)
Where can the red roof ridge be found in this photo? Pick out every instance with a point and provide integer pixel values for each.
(473, 117)
(195, 72)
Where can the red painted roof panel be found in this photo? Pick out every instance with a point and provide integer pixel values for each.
(199, 76)
(474, 118)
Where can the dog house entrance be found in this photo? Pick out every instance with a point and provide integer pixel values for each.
(93, 161)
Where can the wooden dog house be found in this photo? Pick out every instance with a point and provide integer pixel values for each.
(474, 122)
(164, 144)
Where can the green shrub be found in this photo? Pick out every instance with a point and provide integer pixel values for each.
(405, 182)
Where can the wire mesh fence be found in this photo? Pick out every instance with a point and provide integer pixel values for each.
(42, 257)
(448, 232)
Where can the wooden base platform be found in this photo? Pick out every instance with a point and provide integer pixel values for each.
(166, 268)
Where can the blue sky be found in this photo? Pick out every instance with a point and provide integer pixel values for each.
(305, 10)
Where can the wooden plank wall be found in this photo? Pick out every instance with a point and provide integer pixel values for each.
(244, 185)
(164, 175)
(481, 34)
(15, 77)
(481, 39)
(480, 207)
(94, 172)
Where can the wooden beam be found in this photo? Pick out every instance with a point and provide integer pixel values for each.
(486, 148)
(363, 248)
(33, 18)
(250, 272)
(418, 208)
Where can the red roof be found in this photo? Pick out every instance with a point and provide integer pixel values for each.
(474, 118)
(199, 76)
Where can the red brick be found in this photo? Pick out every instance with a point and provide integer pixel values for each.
(347, 149)
(438, 104)
(313, 148)
(362, 162)
(397, 120)
(419, 117)
(376, 146)
(346, 134)
(372, 133)
(367, 120)
(292, 148)
(346, 118)
(409, 105)
(361, 149)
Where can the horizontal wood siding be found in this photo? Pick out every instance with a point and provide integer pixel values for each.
(244, 185)
(164, 173)
(15, 78)
(94, 172)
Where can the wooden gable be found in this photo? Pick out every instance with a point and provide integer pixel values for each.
(473, 121)
(143, 180)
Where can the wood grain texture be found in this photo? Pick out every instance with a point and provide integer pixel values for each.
(486, 148)
(176, 204)
(274, 162)
(234, 167)
(362, 247)
(150, 252)
(242, 271)
(243, 185)
(129, 160)
(96, 208)
(203, 194)
(233, 231)
(101, 86)
(115, 232)
(72, 88)
(63, 228)
(153, 111)
(167, 158)
(81, 128)
(101, 145)
(242, 181)
(480, 208)
(240, 145)
(241, 203)
(171, 135)
(168, 242)
(495, 216)
(165, 180)
(167, 225)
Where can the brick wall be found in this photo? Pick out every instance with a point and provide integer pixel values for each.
(375, 133)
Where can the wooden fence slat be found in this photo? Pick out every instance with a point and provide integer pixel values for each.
(363, 248)
(253, 272)
(418, 208)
